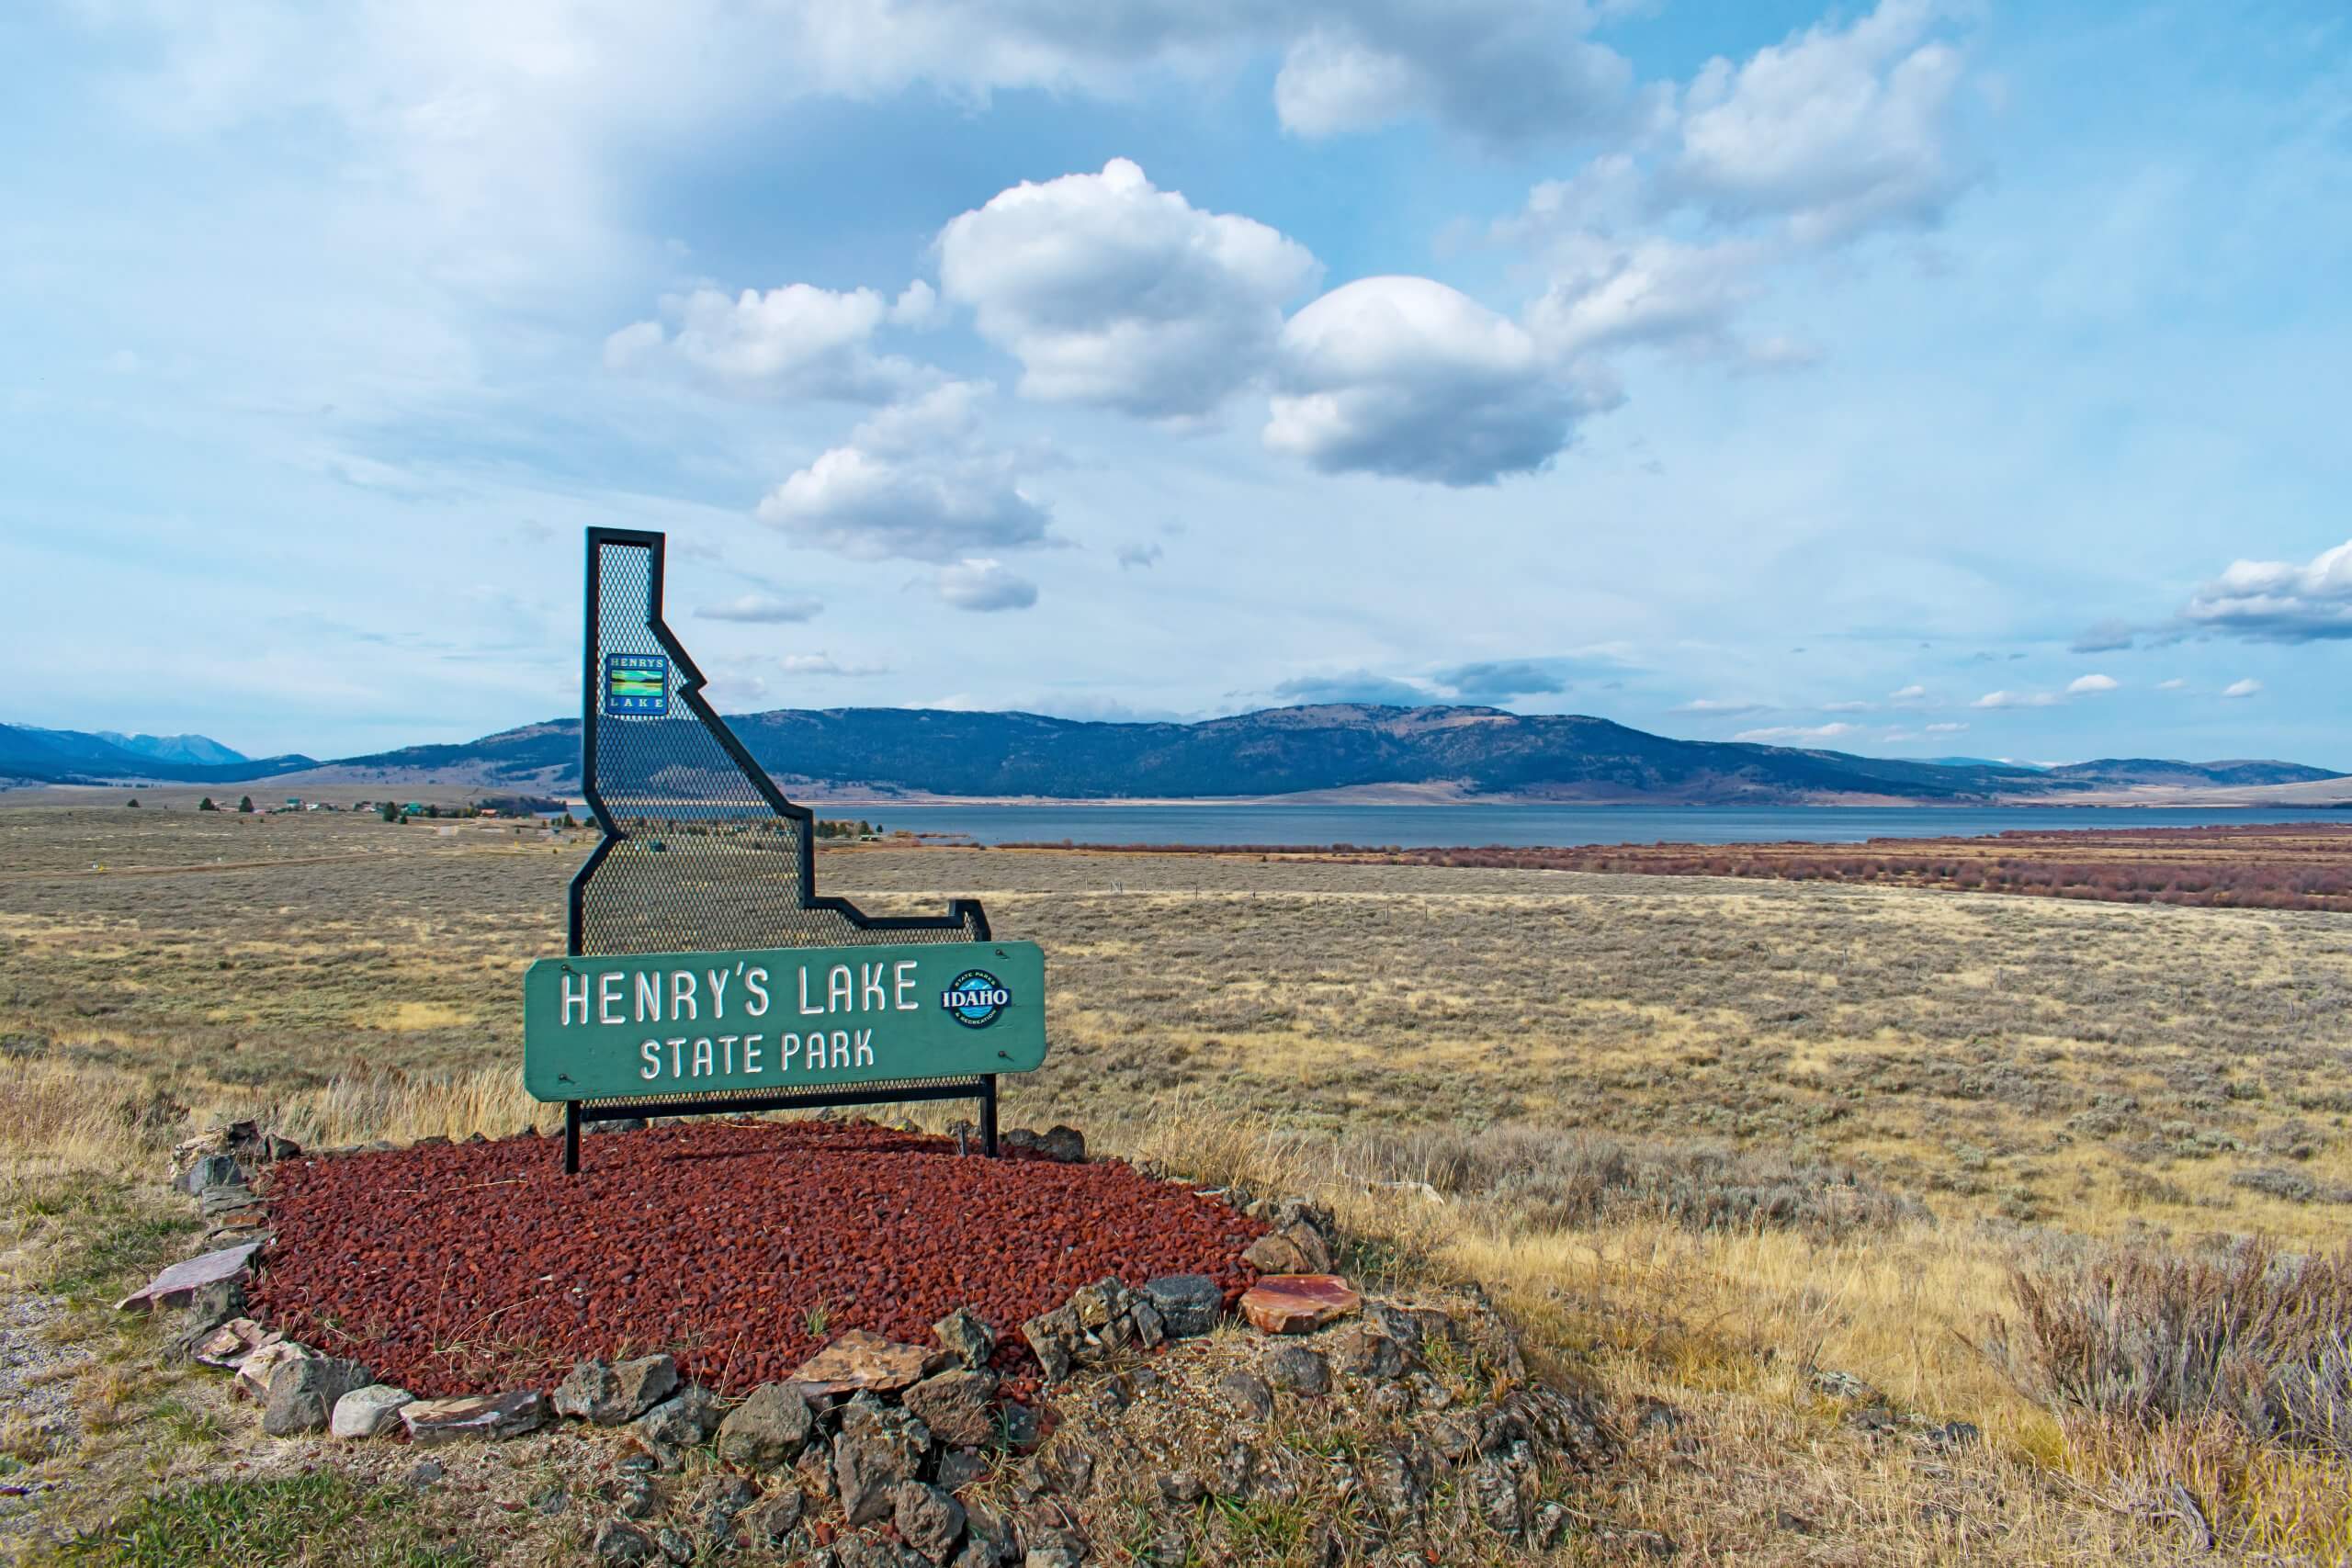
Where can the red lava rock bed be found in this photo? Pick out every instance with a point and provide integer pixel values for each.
(741, 1248)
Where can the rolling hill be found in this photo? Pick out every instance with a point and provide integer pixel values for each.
(72, 756)
(1333, 751)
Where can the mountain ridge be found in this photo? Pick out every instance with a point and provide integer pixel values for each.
(1337, 750)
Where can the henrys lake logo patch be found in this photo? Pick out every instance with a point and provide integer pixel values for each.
(637, 685)
(656, 1023)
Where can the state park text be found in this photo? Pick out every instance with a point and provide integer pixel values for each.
(781, 1018)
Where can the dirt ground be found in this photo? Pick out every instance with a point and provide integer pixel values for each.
(1563, 1083)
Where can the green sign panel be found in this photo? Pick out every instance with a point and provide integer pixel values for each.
(779, 1018)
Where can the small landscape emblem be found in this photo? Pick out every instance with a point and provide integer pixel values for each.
(637, 685)
(975, 998)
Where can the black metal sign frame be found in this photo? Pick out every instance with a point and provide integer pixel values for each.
(729, 818)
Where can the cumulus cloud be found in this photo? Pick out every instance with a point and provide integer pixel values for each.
(1911, 694)
(980, 584)
(1781, 734)
(796, 341)
(2279, 601)
(1405, 377)
(2174, 684)
(2016, 700)
(2245, 688)
(2085, 684)
(914, 482)
(764, 609)
(1501, 681)
(1110, 291)
(1144, 557)
(1836, 130)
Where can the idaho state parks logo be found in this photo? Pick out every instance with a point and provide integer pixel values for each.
(975, 998)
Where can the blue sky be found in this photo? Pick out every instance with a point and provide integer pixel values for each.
(1912, 379)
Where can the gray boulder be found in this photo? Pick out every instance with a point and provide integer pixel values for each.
(958, 1406)
(1299, 1370)
(878, 1449)
(769, 1523)
(607, 1395)
(303, 1393)
(1187, 1304)
(1054, 1339)
(965, 1337)
(685, 1420)
(766, 1431)
(928, 1519)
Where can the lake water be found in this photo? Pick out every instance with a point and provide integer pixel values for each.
(1523, 826)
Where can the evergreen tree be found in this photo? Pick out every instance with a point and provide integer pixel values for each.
(134, 803)
(206, 804)
(245, 804)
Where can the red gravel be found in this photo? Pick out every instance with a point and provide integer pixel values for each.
(474, 1268)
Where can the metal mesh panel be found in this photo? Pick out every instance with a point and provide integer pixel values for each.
(705, 857)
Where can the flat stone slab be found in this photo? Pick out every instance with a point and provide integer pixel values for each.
(364, 1412)
(173, 1286)
(228, 1346)
(1297, 1303)
(435, 1421)
(864, 1359)
(256, 1371)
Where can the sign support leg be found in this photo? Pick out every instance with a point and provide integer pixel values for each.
(570, 1138)
(988, 1115)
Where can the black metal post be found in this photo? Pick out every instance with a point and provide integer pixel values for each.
(988, 1115)
(570, 1138)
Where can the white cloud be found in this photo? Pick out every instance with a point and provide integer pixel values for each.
(2174, 684)
(2245, 688)
(825, 664)
(1405, 377)
(1719, 706)
(2085, 684)
(1783, 733)
(2016, 700)
(1110, 291)
(1847, 707)
(916, 481)
(1906, 694)
(765, 609)
(1836, 130)
(983, 584)
(1506, 70)
(917, 306)
(1606, 293)
(1947, 728)
(1144, 555)
(796, 341)
(2279, 600)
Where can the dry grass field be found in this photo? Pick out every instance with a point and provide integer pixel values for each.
(1709, 1138)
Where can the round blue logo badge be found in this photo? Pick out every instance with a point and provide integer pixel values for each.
(975, 998)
